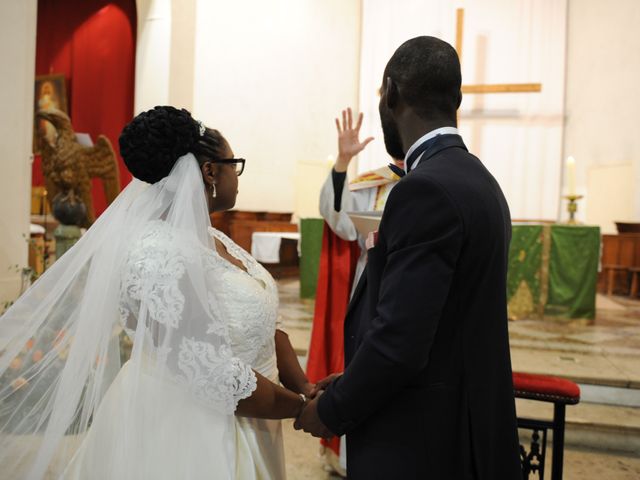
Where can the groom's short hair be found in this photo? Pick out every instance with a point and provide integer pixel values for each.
(427, 73)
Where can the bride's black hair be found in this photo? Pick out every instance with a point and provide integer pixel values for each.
(153, 141)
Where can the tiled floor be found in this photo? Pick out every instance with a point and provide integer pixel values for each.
(603, 352)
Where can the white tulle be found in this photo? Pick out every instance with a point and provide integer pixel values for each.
(199, 325)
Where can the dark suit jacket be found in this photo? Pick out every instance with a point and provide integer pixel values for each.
(427, 390)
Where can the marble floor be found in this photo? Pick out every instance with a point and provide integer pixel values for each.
(604, 352)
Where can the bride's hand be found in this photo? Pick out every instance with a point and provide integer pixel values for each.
(323, 384)
(349, 144)
(307, 389)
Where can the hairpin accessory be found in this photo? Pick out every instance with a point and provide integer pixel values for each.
(202, 128)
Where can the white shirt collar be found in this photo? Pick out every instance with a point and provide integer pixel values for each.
(424, 138)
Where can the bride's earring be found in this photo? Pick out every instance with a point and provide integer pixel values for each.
(214, 194)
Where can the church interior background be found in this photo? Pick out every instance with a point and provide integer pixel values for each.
(549, 106)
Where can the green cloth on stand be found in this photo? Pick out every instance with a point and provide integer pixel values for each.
(573, 271)
(553, 271)
(528, 271)
(310, 246)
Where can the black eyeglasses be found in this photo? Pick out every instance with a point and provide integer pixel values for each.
(239, 163)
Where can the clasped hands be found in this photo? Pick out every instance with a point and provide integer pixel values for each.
(308, 419)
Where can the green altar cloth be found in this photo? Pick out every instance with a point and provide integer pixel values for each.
(553, 271)
(310, 246)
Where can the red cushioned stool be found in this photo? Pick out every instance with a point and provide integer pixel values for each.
(554, 390)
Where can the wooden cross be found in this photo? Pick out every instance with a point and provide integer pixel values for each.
(494, 88)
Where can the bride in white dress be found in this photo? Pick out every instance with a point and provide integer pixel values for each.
(211, 372)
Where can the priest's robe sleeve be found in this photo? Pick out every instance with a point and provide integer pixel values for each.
(335, 201)
(416, 261)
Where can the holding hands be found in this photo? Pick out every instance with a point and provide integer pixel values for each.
(308, 420)
(349, 144)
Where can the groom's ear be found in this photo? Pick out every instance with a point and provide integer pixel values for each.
(391, 94)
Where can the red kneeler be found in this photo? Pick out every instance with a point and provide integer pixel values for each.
(554, 390)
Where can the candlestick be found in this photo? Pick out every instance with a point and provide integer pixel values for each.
(572, 208)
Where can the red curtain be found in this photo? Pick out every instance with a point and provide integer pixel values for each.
(91, 42)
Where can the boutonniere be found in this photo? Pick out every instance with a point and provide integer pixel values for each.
(372, 240)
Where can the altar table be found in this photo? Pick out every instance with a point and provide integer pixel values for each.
(552, 273)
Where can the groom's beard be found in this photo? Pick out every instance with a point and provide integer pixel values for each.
(392, 141)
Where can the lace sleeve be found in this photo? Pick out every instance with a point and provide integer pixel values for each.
(164, 303)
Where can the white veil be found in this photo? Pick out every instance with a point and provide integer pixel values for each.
(139, 267)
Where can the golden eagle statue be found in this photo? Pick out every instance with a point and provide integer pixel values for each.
(69, 166)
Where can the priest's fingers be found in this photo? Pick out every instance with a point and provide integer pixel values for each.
(359, 124)
(350, 118)
(366, 142)
(344, 120)
(338, 126)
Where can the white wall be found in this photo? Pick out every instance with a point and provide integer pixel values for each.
(602, 106)
(271, 76)
(153, 54)
(181, 67)
(517, 136)
(165, 53)
(17, 70)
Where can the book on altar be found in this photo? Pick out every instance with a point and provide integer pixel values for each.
(365, 222)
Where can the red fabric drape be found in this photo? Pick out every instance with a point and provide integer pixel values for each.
(338, 259)
(91, 42)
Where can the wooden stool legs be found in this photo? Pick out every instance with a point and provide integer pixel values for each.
(558, 441)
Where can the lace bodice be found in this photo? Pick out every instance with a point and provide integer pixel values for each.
(210, 322)
(248, 301)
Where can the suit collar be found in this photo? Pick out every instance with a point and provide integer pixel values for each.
(438, 144)
(421, 143)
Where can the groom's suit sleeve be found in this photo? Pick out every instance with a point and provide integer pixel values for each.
(422, 234)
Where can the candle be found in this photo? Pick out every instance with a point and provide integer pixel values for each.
(571, 176)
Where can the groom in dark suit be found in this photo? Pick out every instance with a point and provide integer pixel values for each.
(427, 390)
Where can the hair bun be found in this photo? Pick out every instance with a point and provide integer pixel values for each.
(153, 141)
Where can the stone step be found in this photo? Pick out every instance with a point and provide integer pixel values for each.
(599, 368)
(591, 425)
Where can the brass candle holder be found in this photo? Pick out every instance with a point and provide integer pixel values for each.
(572, 208)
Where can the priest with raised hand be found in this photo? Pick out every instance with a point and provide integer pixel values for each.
(343, 258)
(427, 390)
(367, 193)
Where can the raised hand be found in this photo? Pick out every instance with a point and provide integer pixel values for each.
(349, 144)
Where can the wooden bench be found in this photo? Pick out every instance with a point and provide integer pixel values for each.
(620, 253)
